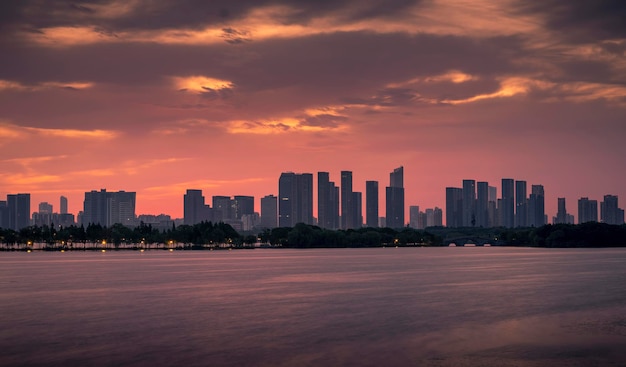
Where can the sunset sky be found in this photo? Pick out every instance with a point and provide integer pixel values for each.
(158, 96)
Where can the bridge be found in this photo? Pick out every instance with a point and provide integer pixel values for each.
(478, 241)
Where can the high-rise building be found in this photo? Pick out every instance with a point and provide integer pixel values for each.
(414, 212)
(269, 211)
(18, 210)
(194, 208)
(295, 195)
(587, 210)
(508, 203)
(395, 199)
(4, 214)
(610, 211)
(454, 207)
(108, 208)
(469, 203)
(482, 204)
(63, 204)
(324, 203)
(536, 207)
(438, 217)
(358, 207)
(223, 208)
(45, 208)
(521, 207)
(243, 205)
(492, 206)
(347, 207)
(561, 213)
(371, 203)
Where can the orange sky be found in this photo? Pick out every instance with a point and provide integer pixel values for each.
(158, 97)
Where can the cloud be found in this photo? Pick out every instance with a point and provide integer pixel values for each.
(202, 84)
(15, 131)
(17, 86)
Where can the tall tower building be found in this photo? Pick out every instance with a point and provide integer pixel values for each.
(358, 207)
(414, 213)
(536, 207)
(610, 211)
(371, 203)
(561, 214)
(482, 204)
(454, 207)
(269, 211)
(295, 195)
(18, 211)
(348, 211)
(395, 199)
(587, 210)
(4, 214)
(324, 202)
(508, 203)
(492, 206)
(63, 204)
(223, 208)
(469, 203)
(521, 207)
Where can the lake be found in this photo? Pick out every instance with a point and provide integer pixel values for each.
(324, 307)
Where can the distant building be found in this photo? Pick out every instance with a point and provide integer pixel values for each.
(223, 208)
(4, 214)
(18, 208)
(63, 204)
(536, 207)
(243, 205)
(438, 213)
(269, 212)
(521, 207)
(295, 194)
(395, 199)
(482, 204)
(561, 215)
(469, 203)
(610, 211)
(492, 206)
(348, 206)
(358, 208)
(414, 212)
(587, 210)
(454, 207)
(195, 209)
(108, 208)
(371, 203)
(327, 202)
(508, 203)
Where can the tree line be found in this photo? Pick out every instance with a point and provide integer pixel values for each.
(208, 234)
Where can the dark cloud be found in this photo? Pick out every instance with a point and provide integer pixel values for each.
(185, 13)
(324, 120)
(581, 21)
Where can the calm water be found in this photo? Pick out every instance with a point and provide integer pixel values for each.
(340, 307)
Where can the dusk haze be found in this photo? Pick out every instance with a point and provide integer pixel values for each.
(157, 97)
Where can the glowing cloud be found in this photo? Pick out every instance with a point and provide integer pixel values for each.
(15, 131)
(201, 84)
(16, 86)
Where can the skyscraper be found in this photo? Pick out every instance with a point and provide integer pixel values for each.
(358, 208)
(561, 214)
(395, 199)
(536, 207)
(18, 211)
(269, 211)
(194, 208)
(63, 204)
(371, 203)
(295, 194)
(482, 204)
(610, 211)
(508, 203)
(414, 213)
(587, 210)
(469, 203)
(223, 208)
(324, 200)
(108, 208)
(454, 207)
(348, 211)
(492, 206)
(4, 214)
(521, 208)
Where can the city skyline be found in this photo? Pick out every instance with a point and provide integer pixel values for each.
(474, 204)
(157, 97)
